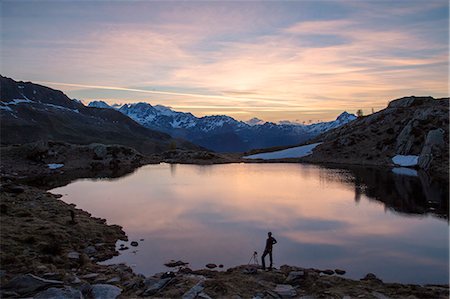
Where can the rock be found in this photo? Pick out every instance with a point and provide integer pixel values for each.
(220, 266)
(405, 139)
(250, 270)
(173, 264)
(134, 243)
(285, 290)
(123, 248)
(113, 280)
(52, 275)
(55, 293)
(203, 295)
(434, 143)
(73, 255)
(30, 283)
(75, 280)
(211, 266)
(406, 102)
(327, 272)
(15, 189)
(90, 250)
(105, 291)
(295, 275)
(100, 151)
(194, 291)
(371, 277)
(154, 287)
(379, 295)
(90, 276)
(340, 272)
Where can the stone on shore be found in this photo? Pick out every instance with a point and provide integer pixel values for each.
(194, 291)
(30, 283)
(73, 255)
(211, 266)
(285, 291)
(105, 291)
(152, 286)
(295, 275)
(56, 293)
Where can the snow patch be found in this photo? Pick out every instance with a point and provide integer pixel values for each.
(55, 166)
(294, 152)
(402, 160)
(17, 101)
(404, 171)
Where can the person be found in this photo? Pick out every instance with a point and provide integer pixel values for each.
(268, 251)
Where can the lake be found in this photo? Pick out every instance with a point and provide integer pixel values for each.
(391, 223)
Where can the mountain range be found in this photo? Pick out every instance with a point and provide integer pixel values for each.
(222, 133)
(30, 112)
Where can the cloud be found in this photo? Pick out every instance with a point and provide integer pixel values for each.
(249, 58)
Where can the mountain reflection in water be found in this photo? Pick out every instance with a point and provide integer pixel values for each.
(415, 195)
(360, 220)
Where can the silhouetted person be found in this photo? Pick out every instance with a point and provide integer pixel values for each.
(72, 216)
(268, 251)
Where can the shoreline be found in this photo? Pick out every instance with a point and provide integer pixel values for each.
(39, 238)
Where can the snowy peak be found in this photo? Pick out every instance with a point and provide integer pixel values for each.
(346, 117)
(99, 104)
(254, 121)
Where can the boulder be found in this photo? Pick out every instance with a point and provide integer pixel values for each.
(55, 293)
(194, 291)
(327, 272)
(295, 275)
(211, 266)
(90, 250)
(406, 102)
(173, 264)
(340, 272)
(285, 291)
(73, 255)
(152, 286)
(434, 143)
(105, 291)
(29, 283)
(100, 151)
(371, 277)
(134, 243)
(405, 139)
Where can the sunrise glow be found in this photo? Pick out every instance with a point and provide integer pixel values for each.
(294, 60)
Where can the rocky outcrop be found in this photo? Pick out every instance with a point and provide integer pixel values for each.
(433, 147)
(400, 129)
(407, 102)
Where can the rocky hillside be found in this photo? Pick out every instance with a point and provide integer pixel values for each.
(31, 112)
(410, 126)
(223, 133)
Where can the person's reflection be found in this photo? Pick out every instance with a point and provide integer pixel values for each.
(358, 189)
(173, 169)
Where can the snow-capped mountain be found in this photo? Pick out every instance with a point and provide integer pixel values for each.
(322, 127)
(254, 121)
(221, 132)
(98, 104)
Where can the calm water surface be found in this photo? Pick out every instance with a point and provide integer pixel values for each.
(395, 226)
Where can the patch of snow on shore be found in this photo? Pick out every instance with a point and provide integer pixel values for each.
(405, 160)
(404, 171)
(294, 152)
(55, 166)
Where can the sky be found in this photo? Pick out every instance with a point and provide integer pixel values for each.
(290, 60)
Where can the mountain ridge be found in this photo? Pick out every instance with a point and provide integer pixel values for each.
(222, 132)
(31, 112)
